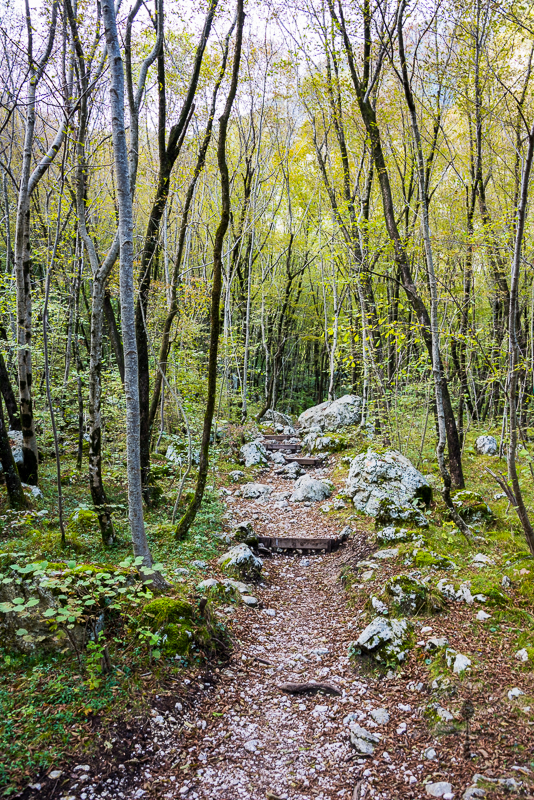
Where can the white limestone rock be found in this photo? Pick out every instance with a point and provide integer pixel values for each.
(439, 789)
(385, 640)
(241, 562)
(236, 476)
(387, 486)
(310, 489)
(253, 491)
(277, 418)
(332, 415)
(254, 454)
(486, 446)
(290, 471)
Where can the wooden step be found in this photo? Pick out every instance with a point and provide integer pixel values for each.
(306, 461)
(295, 543)
(276, 437)
(289, 448)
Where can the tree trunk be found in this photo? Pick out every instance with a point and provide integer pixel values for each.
(215, 321)
(15, 491)
(131, 371)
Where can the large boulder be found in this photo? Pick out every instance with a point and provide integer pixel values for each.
(332, 415)
(253, 454)
(387, 486)
(241, 562)
(486, 445)
(385, 641)
(311, 490)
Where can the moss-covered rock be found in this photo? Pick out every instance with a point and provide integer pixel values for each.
(490, 589)
(472, 508)
(392, 535)
(407, 596)
(384, 641)
(83, 521)
(184, 628)
(240, 562)
(390, 512)
(427, 558)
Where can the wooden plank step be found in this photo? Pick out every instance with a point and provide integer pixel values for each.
(296, 543)
(291, 448)
(306, 461)
(275, 437)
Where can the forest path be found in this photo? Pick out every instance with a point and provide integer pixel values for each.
(248, 739)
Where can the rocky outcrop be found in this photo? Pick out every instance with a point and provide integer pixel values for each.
(387, 486)
(393, 535)
(253, 454)
(311, 490)
(332, 415)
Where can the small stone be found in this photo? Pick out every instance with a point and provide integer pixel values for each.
(250, 601)
(236, 475)
(483, 615)
(82, 768)
(435, 643)
(430, 753)
(384, 554)
(439, 789)
(506, 582)
(209, 583)
(251, 746)
(480, 560)
(444, 714)
(380, 715)
(55, 775)
(404, 707)
(270, 612)
(199, 564)
(522, 655)
(305, 562)
(461, 663)
(402, 728)
(514, 693)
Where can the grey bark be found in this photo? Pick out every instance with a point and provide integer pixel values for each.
(124, 197)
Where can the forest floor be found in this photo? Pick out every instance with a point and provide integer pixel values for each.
(229, 733)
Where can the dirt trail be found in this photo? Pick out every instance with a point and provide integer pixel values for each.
(266, 741)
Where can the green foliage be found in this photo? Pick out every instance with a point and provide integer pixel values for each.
(183, 629)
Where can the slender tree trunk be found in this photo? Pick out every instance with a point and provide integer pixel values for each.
(131, 370)
(9, 396)
(514, 351)
(189, 516)
(27, 183)
(114, 334)
(15, 491)
(96, 485)
(437, 366)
